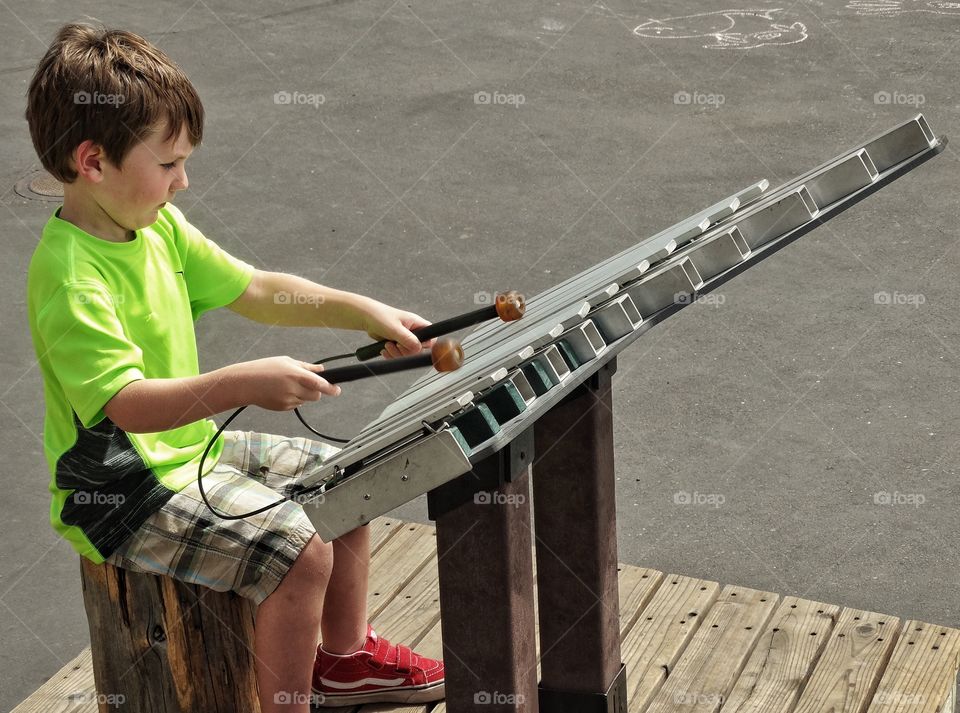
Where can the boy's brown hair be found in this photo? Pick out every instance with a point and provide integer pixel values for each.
(109, 86)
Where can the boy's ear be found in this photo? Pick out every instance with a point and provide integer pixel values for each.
(88, 160)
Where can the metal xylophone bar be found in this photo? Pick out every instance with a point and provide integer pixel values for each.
(795, 204)
(515, 383)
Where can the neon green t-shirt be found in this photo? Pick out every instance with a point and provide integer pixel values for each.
(103, 314)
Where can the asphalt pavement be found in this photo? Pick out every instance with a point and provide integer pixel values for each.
(797, 433)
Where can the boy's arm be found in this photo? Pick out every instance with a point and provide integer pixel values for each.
(153, 405)
(278, 298)
(278, 383)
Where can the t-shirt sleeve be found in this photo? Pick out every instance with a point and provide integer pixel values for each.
(88, 350)
(214, 278)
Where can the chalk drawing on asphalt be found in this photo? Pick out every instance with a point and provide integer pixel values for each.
(727, 29)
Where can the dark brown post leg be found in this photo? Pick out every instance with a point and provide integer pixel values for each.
(486, 584)
(576, 542)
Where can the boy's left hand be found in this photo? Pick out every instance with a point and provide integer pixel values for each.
(384, 322)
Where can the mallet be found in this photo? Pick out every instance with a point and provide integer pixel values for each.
(508, 306)
(445, 355)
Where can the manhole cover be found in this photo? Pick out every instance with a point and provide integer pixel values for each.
(40, 187)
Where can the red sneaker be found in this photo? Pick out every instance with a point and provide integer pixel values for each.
(380, 672)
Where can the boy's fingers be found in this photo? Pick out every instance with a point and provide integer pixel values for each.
(411, 345)
(324, 388)
(320, 385)
(330, 389)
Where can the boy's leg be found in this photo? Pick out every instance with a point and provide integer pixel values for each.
(344, 622)
(288, 629)
(370, 669)
(274, 558)
(327, 583)
(280, 462)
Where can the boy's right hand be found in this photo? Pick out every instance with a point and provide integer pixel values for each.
(281, 383)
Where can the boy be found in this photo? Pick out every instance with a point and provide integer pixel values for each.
(114, 287)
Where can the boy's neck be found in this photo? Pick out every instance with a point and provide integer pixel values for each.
(85, 213)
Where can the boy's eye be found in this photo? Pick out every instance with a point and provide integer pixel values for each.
(168, 166)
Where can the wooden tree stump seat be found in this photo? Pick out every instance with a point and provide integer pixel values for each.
(162, 646)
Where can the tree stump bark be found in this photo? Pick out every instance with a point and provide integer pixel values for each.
(162, 646)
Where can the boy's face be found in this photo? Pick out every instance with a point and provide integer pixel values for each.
(149, 176)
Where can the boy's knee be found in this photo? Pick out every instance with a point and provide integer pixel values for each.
(312, 568)
(316, 557)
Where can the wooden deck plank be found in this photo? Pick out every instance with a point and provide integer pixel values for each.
(414, 609)
(921, 674)
(784, 658)
(381, 530)
(654, 643)
(398, 562)
(636, 588)
(71, 690)
(851, 665)
(708, 667)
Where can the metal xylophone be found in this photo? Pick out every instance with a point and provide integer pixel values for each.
(514, 372)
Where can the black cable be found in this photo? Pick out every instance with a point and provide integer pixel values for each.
(203, 494)
(316, 432)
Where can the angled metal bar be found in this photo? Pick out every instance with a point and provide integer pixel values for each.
(720, 253)
(850, 175)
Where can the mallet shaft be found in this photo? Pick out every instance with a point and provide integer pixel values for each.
(340, 374)
(437, 329)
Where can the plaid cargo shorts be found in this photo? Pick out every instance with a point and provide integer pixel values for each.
(186, 541)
